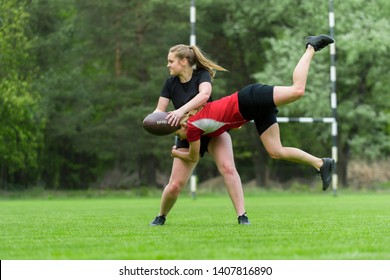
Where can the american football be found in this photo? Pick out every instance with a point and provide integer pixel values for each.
(156, 124)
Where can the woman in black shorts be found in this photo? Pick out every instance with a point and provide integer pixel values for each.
(257, 102)
(189, 87)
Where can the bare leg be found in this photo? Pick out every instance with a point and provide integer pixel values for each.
(273, 145)
(220, 148)
(180, 174)
(286, 94)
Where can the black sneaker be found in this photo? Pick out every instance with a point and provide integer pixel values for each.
(326, 172)
(243, 219)
(319, 42)
(158, 221)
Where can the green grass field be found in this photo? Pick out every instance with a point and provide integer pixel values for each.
(284, 227)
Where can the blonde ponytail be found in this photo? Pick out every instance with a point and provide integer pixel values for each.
(188, 115)
(196, 57)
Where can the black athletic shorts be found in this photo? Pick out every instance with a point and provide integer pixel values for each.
(256, 102)
(204, 142)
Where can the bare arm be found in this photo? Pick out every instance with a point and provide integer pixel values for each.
(162, 104)
(192, 155)
(201, 98)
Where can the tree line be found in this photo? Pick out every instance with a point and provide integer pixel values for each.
(78, 77)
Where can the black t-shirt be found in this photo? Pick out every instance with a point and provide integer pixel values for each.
(181, 93)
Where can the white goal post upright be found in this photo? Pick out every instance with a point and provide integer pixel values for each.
(192, 22)
(193, 179)
(333, 96)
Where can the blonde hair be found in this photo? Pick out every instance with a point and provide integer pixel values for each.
(196, 57)
(191, 113)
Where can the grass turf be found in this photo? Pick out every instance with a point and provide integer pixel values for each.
(284, 227)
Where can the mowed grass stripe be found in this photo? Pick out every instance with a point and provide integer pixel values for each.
(284, 226)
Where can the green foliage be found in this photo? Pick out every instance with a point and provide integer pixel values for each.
(99, 89)
(21, 120)
(363, 47)
(372, 140)
(78, 77)
(20, 133)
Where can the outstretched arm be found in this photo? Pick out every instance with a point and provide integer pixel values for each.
(192, 155)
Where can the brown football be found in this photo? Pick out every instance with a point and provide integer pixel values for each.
(156, 124)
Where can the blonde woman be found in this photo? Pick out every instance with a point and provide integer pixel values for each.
(189, 87)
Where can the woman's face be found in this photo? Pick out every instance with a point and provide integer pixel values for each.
(181, 132)
(175, 65)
